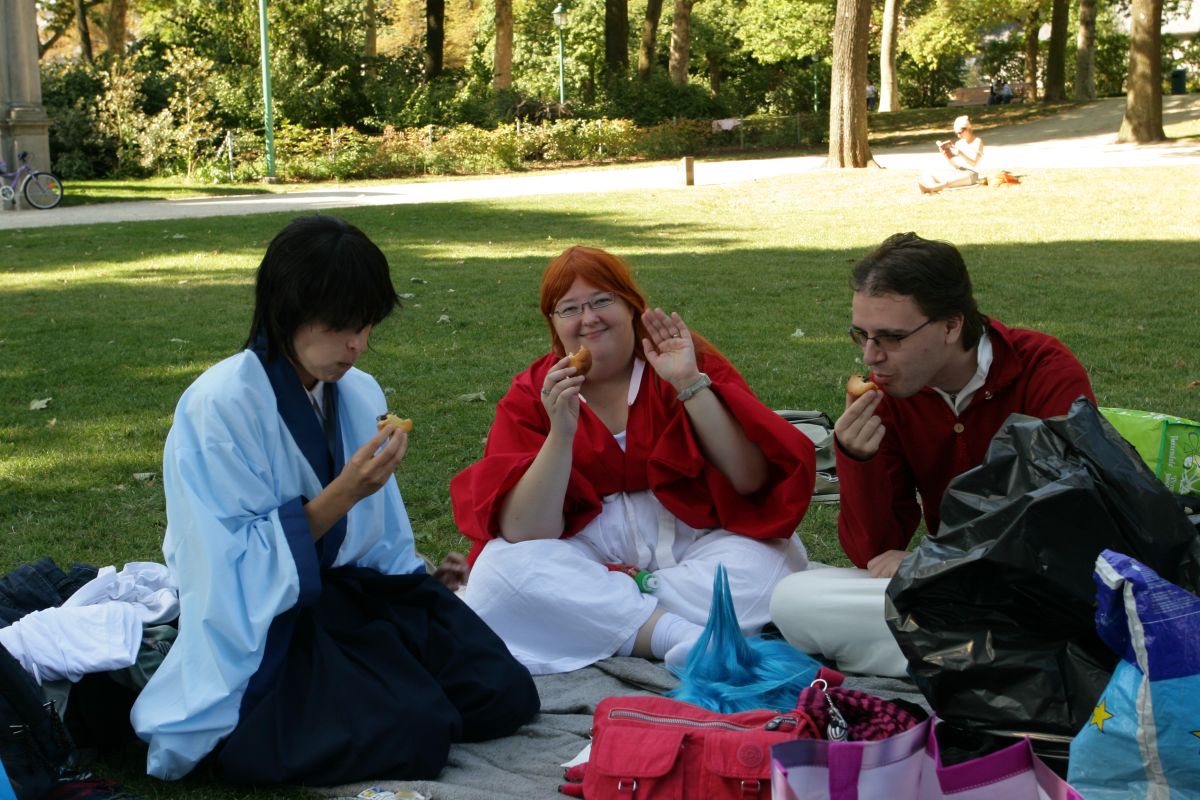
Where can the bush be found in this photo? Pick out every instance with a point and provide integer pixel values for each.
(325, 154)
(81, 149)
(780, 133)
(799, 89)
(684, 137)
(1112, 63)
(396, 153)
(656, 100)
(463, 149)
(1003, 57)
(928, 87)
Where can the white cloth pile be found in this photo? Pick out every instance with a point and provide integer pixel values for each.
(99, 628)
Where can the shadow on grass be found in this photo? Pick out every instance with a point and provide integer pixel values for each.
(472, 323)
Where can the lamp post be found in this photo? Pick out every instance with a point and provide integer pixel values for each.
(268, 124)
(560, 22)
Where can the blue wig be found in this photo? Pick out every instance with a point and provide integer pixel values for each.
(727, 672)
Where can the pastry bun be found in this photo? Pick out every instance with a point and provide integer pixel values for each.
(581, 360)
(857, 386)
(384, 420)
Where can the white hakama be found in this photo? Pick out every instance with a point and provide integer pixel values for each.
(558, 608)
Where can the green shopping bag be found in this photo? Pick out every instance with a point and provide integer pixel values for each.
(1169, 445)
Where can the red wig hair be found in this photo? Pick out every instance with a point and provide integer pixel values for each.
(601, 269)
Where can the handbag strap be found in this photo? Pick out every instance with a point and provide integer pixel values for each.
(860, 716)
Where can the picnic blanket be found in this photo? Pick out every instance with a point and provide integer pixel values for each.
(528, 764)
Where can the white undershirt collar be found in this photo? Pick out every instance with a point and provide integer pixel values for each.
(316, 396)
(960, 399)
(635, 383)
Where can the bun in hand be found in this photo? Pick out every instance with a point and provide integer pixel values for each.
(391, 419)
(857, 386)
(581, 360)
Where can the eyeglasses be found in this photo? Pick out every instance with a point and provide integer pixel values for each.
(597, 302)
(888, 342)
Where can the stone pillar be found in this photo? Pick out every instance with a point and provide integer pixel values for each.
(23, 121)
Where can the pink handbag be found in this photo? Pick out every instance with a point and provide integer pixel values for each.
(908, 767)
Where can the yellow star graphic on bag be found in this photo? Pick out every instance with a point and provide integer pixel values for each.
(1099, 716)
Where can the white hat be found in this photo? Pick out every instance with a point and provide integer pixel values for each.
(961, 122)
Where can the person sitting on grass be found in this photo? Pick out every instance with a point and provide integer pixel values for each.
(660, 458)
(313, 646)
(963, 155)
(948, 377)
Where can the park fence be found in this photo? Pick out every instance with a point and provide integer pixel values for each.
(347, 154)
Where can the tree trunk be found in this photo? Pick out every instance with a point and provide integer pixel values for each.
(502, 63)
(81, 26)
(370, 39)
(714, 73)
(1143, 96)
(1085, 52)
(616, 39)
(649, 36)
(370, 30)
(681, 42)
(1056, 59)
(435, 37)
(889, 85)
(115, 30)
(1031, 54)
(848, 90)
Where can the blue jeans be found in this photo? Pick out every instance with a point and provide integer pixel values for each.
(42, 584)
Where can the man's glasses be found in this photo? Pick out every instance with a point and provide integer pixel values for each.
(595, 304)
(888, 342)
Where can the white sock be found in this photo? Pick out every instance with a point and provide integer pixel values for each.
(670, 633)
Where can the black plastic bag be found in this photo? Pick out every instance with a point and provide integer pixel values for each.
(34, 746)
(996, 614)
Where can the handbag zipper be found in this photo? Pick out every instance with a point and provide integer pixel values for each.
(775, 723)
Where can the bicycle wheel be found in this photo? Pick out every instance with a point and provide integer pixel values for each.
(43, 190)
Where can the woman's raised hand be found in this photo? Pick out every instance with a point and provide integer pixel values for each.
(669, 349)
(560, 397)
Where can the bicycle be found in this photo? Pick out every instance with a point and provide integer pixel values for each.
(40, 189)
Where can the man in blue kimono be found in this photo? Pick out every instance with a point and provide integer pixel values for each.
(313, 646)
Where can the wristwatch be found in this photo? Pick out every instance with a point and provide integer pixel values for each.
(687, 393)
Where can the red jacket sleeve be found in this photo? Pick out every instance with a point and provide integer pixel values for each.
(516, 436)
(698, 493)
(878, 509)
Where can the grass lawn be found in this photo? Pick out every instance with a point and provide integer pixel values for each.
(82, 193)
(112, 322)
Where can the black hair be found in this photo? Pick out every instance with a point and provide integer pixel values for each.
(932, 273)
(319, 269)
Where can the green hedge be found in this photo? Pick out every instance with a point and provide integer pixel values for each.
(345, 153)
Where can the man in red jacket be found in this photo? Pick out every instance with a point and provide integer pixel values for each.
(948, 377)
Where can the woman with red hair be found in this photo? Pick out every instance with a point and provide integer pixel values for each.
(660, 458)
